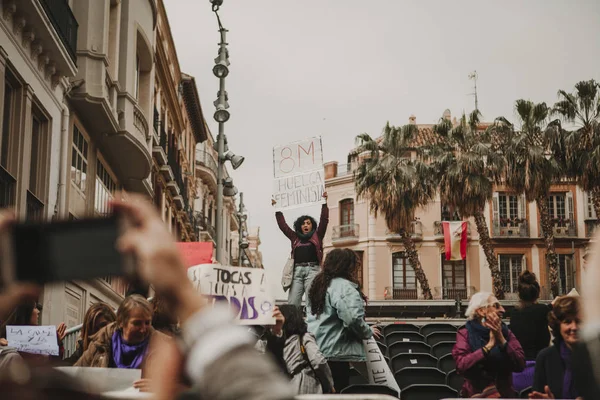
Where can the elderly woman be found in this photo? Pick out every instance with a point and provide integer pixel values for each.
(96, 317)
(553, 377)
(486, 352)
(124, 343)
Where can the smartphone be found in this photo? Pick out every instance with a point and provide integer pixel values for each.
(61, 251)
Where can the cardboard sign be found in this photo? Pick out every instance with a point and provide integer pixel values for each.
(33, 339)
(196, 253)
(244, 289)
(299, 174)
(110, 382)
(377, 367)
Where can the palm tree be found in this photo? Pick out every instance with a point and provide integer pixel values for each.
(467, 167)
(395, 185)
(535, 159)
(582, 108)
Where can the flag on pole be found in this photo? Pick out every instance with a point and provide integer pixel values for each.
(455, 240)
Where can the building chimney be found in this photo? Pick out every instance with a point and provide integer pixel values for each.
(447, 115)
(412, 120)
(331, 169)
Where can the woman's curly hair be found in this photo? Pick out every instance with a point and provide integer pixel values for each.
(300, 220)
(339, 263)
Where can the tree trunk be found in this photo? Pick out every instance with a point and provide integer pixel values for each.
(488, 249)
(413, 256)
(547, 231)
(596, 201)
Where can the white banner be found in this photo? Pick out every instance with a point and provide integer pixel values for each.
(110, 382)
(377, 367)
(33, 339)
(244, 289)
(299, 175)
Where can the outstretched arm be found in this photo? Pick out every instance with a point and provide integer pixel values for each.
(324, 220)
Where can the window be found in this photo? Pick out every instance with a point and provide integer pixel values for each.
(136, 82)
(35, 193)
(566, 273)
(105, 189)
(404, 279)
(560, 208)
(454, 279)
(9, 117)
(359, 270)
(590, 212)
(347, 218)
(79, 153)
(508, 208)
(511, 266)
(450, 214)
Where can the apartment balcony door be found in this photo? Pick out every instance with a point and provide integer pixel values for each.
(347, 218)
(454, 279)
(511, 266)
(566, 273)
(403, 277)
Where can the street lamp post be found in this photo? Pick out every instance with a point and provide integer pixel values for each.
(243, 237)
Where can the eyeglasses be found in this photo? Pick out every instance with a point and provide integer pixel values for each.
(496, 305)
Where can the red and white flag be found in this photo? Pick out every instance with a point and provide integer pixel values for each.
(455, 240)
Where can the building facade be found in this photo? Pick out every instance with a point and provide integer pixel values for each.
(514, 226)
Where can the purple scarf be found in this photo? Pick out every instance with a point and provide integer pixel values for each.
(569, 391)
(123, 352)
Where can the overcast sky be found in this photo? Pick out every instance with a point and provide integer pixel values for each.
(337, 68)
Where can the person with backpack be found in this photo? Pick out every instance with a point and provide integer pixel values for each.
(305, 363)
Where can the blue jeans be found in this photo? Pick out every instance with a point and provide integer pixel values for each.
(303, 277)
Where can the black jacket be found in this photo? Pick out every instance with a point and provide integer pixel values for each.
(530, 325)
(549, 371)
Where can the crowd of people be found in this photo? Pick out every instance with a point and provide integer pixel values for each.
(186, 349)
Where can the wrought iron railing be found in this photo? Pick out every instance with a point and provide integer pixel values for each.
(453, 292)
(564, 228)
(517, 229)
(64, 22)
(70, 340)
(206, 159)
(204, 224)
(405, 294)
(344, 169)
(7, 189)
(416, 231)
(345, 231)
(35, 208)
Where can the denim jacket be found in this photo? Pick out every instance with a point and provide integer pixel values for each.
(341, 328)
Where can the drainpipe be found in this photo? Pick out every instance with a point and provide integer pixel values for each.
(64, 154)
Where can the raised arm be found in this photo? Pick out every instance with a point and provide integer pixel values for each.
(283, 226)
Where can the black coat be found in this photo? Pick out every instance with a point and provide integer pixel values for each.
(530, 326)
(549, 371)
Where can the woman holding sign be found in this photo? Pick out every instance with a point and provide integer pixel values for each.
(307, 249)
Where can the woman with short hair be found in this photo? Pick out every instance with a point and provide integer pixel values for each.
(553, 377)
(486, 352)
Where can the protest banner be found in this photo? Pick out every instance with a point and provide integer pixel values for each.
(33, 339)
(377, 367)
(299, 174)
(244, 289)
(110, 382)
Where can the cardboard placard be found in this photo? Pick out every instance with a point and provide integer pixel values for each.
(33, 339)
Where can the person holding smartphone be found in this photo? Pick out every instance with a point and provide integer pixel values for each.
(486, 352)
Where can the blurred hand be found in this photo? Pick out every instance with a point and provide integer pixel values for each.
(157, 256)
(494, 323)
(61, 331)
(376, 332)
(325, 195)
(143, 385)
(546, 395)
(3, 342)
(279, 321)
(165, 375)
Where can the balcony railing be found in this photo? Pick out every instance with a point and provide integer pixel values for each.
(438, 228)
(64, 22)
(416, 232)
(343, 233)
(563, 228)
(511, 229)
(590, 227)
(35, 208)
(453, 292)
(205, 158)
(401, 294)
(7, 189)
(204, 225)
(344, 169)
(70, 340)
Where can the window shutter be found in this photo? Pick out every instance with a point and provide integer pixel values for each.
(523, 262)
(522, 204)
(570, 211)
(495, 210)
(569, 274)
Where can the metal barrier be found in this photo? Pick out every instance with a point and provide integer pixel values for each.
(70, 340)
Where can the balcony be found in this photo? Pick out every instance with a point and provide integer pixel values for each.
(453, 292)
(563, 227)
(438, 229)
(206, 231)
(401, 294)
(7, 189)
(590, 227)
(510, 228)
(206, 167)
(345, 234)
(416, 233)
(64, 23)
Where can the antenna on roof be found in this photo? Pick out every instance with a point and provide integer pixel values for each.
(473, 75)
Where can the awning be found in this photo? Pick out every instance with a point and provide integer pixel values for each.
(196, 253)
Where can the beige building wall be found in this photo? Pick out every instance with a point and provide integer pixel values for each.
(518, 244)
